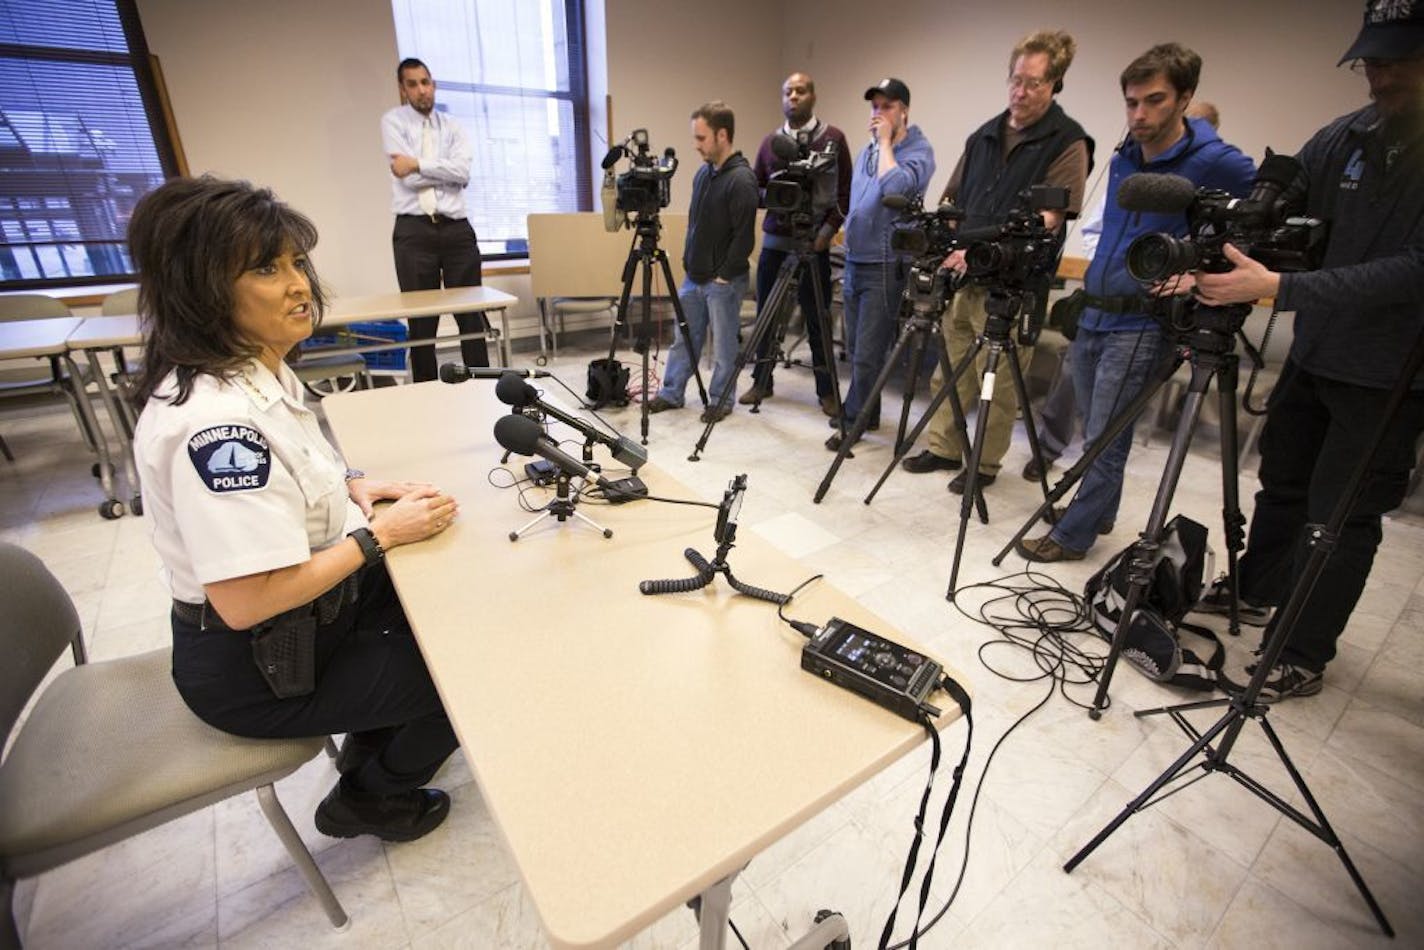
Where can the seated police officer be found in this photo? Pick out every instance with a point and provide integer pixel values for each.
(265, 544)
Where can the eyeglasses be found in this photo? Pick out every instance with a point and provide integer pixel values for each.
(1027, 83)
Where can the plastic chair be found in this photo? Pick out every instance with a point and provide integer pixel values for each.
(120, 303)
(109, 750)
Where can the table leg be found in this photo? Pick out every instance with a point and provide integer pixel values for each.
(111, 507)
(123, 428)
(713, 912)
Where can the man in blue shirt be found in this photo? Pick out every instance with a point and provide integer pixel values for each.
(898, 161)
(1118, 344)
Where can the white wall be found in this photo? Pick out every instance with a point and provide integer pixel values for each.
(289, 94)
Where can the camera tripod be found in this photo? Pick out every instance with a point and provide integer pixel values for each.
(562, 508)
(1246, 705)
(1211, 348)
(772, 317)
(645, 251)
(927, 292)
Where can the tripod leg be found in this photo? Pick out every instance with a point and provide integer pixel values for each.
(1075, 474)
(771, 316)
(645, 337)
(1233, 522)
(1030, 428)
(681, 322)
(620, 322)
(828, 356)
(971, 464)
(1144, 551)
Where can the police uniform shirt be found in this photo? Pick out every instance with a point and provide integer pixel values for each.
(239, 479)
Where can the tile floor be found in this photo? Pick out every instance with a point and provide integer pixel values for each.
(1210, 867)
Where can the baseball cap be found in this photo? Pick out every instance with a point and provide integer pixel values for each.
(1393, 29)
(890, 89)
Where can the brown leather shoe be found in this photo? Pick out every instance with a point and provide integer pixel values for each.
(404, 816)
(754, 395)
(1045, 550)
(828, 405)
(659, 404)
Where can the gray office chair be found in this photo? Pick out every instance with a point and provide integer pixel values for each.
(109, 749)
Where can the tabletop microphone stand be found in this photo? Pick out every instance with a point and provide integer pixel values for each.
(562, 508)
(1246, 705)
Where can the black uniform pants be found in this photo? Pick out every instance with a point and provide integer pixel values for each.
(430, 254)
(371, 681)
(768, 269)
(1317, 431)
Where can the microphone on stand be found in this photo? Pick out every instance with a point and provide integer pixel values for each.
(459, 373)
(513, 391)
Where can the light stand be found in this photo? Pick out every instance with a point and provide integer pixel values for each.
(1246, 706)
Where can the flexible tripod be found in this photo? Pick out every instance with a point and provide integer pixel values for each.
(645, 251)
(706, 573)
(562, 508)
(1211, 348)
(927, 292)
(1246, 705)
(772, 318)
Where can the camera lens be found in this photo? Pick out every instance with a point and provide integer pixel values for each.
(1154, 257)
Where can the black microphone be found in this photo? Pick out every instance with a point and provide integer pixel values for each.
(784, 147)
(611, 159)
(458, 373)
(895, 202)
(523, 436)
(513, 391)
(1155, 194)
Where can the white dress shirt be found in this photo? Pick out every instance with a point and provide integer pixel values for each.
(447, 172)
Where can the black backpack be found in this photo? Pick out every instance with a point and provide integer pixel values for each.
(607, 383)
(1153, 637)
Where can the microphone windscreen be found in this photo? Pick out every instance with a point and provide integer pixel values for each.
(517, 434)
(452, 373)
(611, 159)
(784, 147)
(1155, 194)
(895, 202)
(513, 391)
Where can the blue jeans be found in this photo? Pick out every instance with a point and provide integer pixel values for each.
(871, 293)
(1109, 370)
(721, 305)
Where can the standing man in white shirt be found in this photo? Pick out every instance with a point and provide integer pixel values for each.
(433, 241)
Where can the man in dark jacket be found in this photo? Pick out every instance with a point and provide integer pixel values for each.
(714, 258)
(1032, 142)
(1119, 345)
(830, 197)
(1357, 320)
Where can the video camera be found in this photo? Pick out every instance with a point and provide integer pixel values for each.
(645, 188)
(792, 189)
(1259, 225)
(1018, 257)
(922, 232)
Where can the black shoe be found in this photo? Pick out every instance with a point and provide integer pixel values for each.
(872, 427)
(1218, 601)
(1287, 680)
(715, 413)
(828, 405)
(957, 483)
(927, 461)
(404, 816)
(834, 442)
(659, 404)
(1033, 472)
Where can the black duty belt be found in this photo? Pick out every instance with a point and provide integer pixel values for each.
(1131, 304)
(324, 608)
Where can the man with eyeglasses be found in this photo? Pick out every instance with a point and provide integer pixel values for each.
(1032, 142)
(1357, 320)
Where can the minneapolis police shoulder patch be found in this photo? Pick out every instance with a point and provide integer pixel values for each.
(231, 458)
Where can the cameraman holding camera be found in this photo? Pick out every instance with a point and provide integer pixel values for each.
(1118, 345)
(1357, 320)
(720, 237)
(798, 104)
(1032, 142)
(898, 161)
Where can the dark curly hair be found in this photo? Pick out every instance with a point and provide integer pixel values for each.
(190, 239)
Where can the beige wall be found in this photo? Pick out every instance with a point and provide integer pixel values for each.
(289, 94)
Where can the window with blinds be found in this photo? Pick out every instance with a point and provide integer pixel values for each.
(80, 139)
(513, 73)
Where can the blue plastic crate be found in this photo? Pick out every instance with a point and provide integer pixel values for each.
(353, 334)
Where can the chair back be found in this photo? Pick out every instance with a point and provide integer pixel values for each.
(37, 622)
(31, 307)
(120, 303)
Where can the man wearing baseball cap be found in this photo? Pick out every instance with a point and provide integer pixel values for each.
(898, 161)
(1357, 320)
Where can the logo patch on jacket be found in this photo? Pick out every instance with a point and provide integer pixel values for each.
(231, 458)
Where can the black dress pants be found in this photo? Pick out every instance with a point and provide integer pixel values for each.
(371, 681)
(1317, 431)
(430, 254)
(768, 269)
